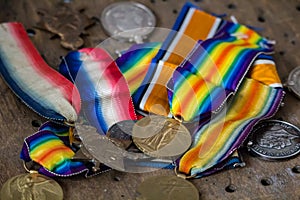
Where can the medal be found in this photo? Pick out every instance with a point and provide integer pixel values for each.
(160, 136)
(128, 21)
(106, 152)
(31, 186)
(275, 140)
(293, 82)
(167, 188)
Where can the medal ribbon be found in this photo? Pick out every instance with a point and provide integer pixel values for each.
(213, 71)
(49, 147)
(152, 95)
(216, 140)
(39, 86)
(238, 48)
(254, 99)
(104, 91)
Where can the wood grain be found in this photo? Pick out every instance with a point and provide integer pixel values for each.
(277, 20)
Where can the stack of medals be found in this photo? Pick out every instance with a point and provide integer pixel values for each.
(186, 104)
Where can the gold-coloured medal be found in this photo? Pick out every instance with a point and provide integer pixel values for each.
(167, 188)
(31, 186)
(160, 136)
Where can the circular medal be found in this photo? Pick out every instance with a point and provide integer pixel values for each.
(128, 20)
(167, 188)
(120, 133)
(274, 139)
(160, 136)
(294, 81)
(31, 186)
(101, 148)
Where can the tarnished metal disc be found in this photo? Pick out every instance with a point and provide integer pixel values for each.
(31, 186)
(120, 133)
(160, 136)
(101, 148)
(167, 188)
(274, 139)
(294, 81)
(128, 20)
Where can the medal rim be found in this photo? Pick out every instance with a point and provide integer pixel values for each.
(294, 88)
(111, 32)
(270, 157)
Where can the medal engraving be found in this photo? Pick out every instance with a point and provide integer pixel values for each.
(275, 139)
(167, 188)
(31, 186)
(159, 136)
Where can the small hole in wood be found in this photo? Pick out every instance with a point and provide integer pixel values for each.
(281, 53)
(266, 181)
(298, 7)
(286, 35)
(231, 6)
(122, 195)
(230, 188)
(95, 19)
(30, 32)
(175, 11)
(261, 19)
(55, 36)
(82, 10)
(36, 123)
(197, 0)
(296, 169)
(152, 1)
(293, 42)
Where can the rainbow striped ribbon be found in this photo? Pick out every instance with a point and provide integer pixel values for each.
(39, 86)
(104, 91)
(135, 62)
(216, 140)
(260, 104)
(152, 95)
(48, 149)
(214, 70)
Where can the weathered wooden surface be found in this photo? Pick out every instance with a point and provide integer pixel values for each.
(279, 20)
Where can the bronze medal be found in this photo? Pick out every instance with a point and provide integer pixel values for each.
(31, 186)
(160, 136)
(167, 188)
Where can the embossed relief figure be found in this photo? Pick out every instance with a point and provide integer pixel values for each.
(278, 139)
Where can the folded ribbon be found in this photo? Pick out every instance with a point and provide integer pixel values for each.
(103, 89)
(191, 25)
(47, 148)
(39, 86)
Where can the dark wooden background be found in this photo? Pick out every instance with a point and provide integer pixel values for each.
(279, 20)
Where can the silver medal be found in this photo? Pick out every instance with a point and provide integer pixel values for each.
(274, 139)
(129, 21)
(293, 82)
